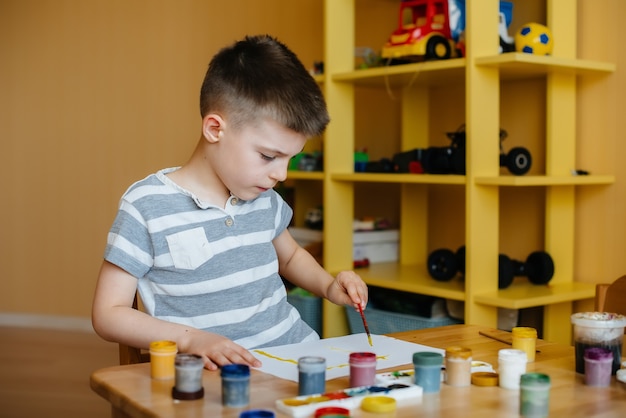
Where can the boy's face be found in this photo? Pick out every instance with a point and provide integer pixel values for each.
(251, 159)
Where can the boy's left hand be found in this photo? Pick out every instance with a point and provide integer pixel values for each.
(348, 289)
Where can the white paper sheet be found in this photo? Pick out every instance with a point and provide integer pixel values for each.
(282, 361)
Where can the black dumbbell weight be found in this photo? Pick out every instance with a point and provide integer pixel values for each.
(443, 264)
(539, 268)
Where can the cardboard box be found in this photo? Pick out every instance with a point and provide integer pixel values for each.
(377, 246)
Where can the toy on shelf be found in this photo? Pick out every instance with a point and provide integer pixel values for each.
(423, 32)
(444, 264)
(534, 38)
(457, 25)
(451, 159)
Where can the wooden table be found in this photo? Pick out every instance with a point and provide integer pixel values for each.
(132, 393)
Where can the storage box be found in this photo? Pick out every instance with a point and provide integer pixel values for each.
(385, 322)
(376, 246)
(309, 307)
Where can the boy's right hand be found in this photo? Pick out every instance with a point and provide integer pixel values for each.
(216, 350)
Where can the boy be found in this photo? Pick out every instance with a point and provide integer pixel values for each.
(206, 244)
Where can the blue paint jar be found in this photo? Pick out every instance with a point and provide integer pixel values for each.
(235, 385)
(428, 370)
(311, 375)
(257, 413)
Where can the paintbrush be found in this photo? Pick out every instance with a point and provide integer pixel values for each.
(367, 330)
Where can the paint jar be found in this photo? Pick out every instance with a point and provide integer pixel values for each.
(598, 329)
(188, 372)
(511, 366)
(311, 375)
(458, 366)
(162, 358)
(534, 395)
(362, 369)
(235, 385)
(332, 412)
(525, 338)
(257, 413)
(428, 370)
(598, 366)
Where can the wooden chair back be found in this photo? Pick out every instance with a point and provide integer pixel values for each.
(611, 297)
(133, 355)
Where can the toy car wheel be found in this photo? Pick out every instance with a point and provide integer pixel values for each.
(518, 161)
(438, 48)
(442, 265)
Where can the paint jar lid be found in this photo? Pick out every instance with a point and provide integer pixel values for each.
(598, 353)
(312, 364)
(378, 404)
(524, 332)
(485, 379)
(362, 357)
(535, 379)
(456, 351)
(257, 413)
(163, 347)
(332, 411)
(599, 320)
(427, 358)
(235, 370)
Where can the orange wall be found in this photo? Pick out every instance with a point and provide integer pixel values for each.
(96, 94)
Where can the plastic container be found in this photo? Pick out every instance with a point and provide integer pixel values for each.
(235, 385)
(188, 372)
(332, 412)
(458, 366)
(534, 395)
(311, 375)
(598, 329)
(428, 370)
(511, 366)
(362, 369)
(525, 339)
(598, 366)
(257, 413)
(162, 359)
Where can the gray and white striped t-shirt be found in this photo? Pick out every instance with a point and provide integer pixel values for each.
(208, 267)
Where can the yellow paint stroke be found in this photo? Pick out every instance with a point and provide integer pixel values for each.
(292, 361)
(286, 360)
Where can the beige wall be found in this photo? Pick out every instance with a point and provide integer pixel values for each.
(95, 94)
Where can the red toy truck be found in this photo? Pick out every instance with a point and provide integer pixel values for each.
(423, 32)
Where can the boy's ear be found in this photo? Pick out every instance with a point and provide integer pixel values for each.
(212, 127)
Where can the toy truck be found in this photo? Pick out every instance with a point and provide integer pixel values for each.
(423, 32)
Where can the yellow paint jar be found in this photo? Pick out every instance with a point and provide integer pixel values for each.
(162, 359)
(525, 339)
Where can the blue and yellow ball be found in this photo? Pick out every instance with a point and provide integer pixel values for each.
(534, 38)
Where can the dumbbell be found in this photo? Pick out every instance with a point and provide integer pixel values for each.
(539, 268)
(443, 264)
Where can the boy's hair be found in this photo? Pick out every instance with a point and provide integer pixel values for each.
(260, 77)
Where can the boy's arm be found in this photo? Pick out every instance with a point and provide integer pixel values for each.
(299, 267)
(114, 319)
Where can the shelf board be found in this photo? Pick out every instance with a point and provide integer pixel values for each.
(430, 73)
(528, 295)
(412, 279)
(520, 65)
(400, 178)
(305, 175)
(545, 180)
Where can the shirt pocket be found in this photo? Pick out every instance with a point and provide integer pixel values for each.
(189, 249)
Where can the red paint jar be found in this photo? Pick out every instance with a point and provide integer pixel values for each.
(362, 369)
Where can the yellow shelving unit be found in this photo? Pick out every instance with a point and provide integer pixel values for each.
(480, 73)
